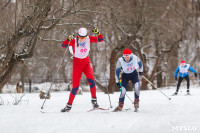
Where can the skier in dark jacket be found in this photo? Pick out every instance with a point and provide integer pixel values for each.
(128, 64)
(183, 74)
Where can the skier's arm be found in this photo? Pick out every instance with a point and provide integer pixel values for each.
(99, 38)
(140, 64)
(117, 71)
(71, 50)
(192, 69)
(176, 71)
(70, 40)
(65, 43)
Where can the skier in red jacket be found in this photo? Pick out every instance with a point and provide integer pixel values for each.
(80, 47)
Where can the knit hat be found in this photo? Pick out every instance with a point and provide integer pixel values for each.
(182, 61)
(127, 51)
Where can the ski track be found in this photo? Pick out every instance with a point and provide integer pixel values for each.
(156, 114)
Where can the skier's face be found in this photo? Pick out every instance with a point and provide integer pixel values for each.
(82, 39)
(182, 64)
(126, 57)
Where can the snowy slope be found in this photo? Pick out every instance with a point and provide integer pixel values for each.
(157, 114)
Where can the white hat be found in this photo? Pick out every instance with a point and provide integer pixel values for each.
(82, 32)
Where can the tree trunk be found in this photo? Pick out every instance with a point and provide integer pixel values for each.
(159, 77)
(158, 51)
(8, 73)
(111, 85)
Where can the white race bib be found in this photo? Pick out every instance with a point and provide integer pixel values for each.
(83, 49)
(184, 69)
(129, 67)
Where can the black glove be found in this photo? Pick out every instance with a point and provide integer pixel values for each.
(140, 73)
(195, 75)
(118, 85)
(96, 31)
(176, 78)
(70, 37)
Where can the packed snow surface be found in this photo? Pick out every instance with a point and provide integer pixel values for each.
(156, 114)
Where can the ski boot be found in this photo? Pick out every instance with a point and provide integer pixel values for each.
(119, 107)
(174, 94)
(94, 103)
(188, 92)
(136, 104)
(67, 108)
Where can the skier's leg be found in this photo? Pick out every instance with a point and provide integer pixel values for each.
(124, 87)
(188, 83)
(178, 85)
(76, 76)
(88, 71)
(135, 81)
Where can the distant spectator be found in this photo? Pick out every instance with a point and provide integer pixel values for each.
(19, 88)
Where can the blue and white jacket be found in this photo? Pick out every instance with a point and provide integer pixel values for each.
(183, 71)
(128, 67)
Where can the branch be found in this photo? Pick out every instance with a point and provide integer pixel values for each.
(124, 32)
(60, 41)
(17, 100)
(67, 13)
(2, 8)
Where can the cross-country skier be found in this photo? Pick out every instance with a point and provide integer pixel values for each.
(128, 65)
(80, 47)
(199, 77)
(183, 74)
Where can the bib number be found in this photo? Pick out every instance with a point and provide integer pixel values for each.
(83, 50)
(130, 68)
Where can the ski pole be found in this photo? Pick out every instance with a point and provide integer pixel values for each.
(60, 64)
(130, 99)
(107, 88)
(156, 88)
(120, 82)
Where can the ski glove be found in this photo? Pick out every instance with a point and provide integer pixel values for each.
(195, 75)
(140, 73)
(176, 78)
(96, 31)
(70, 37)
(118, 85)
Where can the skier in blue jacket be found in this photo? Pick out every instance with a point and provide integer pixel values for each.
(199, 77)
(183, 74)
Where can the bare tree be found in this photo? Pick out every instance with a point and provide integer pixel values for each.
(19, 42)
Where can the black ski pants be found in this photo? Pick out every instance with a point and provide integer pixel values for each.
(180, 80)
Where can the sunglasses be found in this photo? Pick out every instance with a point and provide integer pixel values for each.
(126, 55)
(81, 37)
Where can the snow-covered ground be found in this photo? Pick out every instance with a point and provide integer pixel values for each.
(157, 114)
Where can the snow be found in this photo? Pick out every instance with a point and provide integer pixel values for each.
(156, 114)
